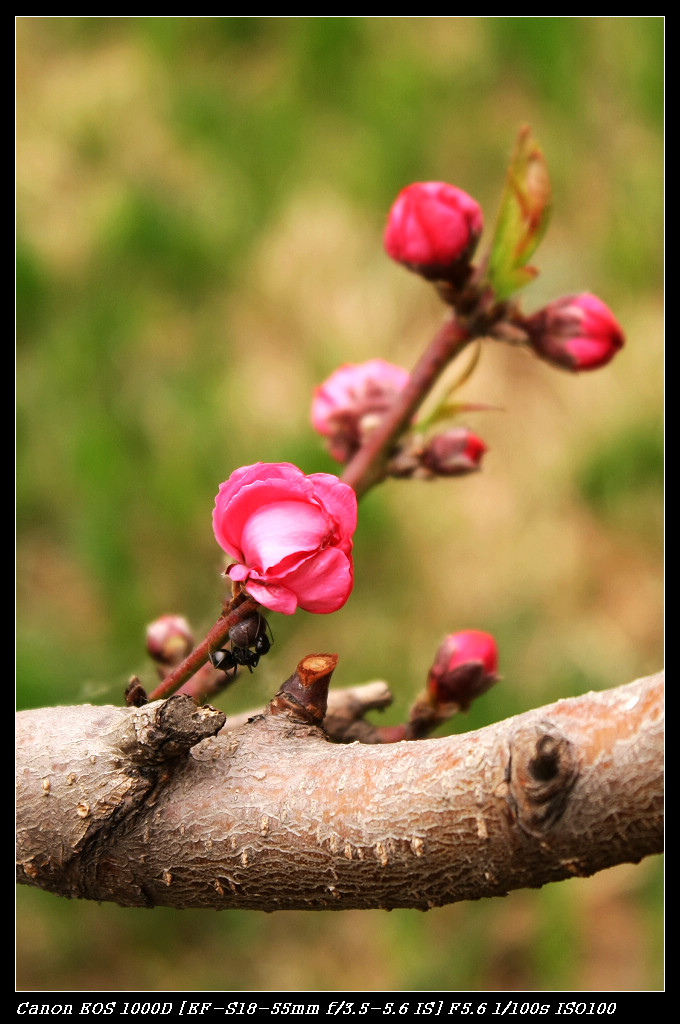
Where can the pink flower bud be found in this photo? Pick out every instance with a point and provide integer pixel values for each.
(465, 667)
(453, 453)
(169, 639)
(577, 332)
(433, 229)
(290, 536)
(351, 401)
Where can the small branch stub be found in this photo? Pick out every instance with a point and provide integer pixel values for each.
(165, 730)
(135, 694)
(304, 695)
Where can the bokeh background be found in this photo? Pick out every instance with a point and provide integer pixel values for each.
(200, 206)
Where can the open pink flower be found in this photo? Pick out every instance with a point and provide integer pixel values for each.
(290, 536)
(351, 401)
(432, 228)
(577, 332)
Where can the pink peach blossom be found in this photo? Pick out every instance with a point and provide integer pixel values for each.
(350, 402)
(290, 536)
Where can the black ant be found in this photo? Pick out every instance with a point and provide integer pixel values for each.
(249, 642)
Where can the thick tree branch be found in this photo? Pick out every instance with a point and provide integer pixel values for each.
(161, 806)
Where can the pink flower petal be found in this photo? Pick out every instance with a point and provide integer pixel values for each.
(273, 596)
(340, 502)
(248, 489)
(322, 583)
(280, 529)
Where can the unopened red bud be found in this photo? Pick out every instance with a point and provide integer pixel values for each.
(466, 666)
(169, 639)
(350, 403)
(433, 229)
(577, 332)
(453, 453)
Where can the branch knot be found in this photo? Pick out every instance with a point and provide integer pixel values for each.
(543, 770)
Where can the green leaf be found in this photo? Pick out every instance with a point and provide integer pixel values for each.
(522, 218)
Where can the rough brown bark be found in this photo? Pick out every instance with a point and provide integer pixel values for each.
(156, 806)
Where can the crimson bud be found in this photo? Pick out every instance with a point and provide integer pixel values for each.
(577, 332)
(464, 667)
(433, 229)
(453, 453)
(169, 639)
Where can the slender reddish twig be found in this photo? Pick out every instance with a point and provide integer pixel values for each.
(367, 467)
(216, 637)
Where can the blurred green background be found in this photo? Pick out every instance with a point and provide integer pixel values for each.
(200, 206)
